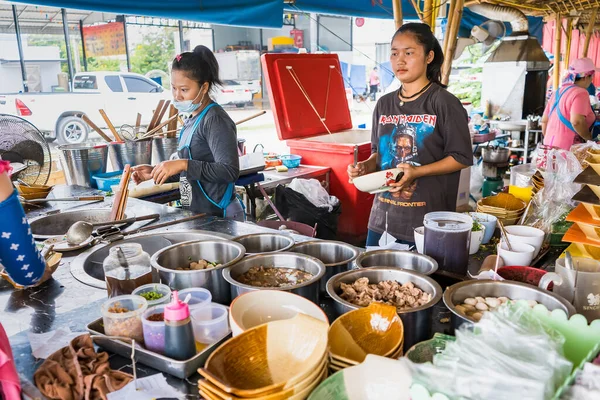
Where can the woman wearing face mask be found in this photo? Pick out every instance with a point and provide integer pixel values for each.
(569, 117)
(208, 163)
(423, 130)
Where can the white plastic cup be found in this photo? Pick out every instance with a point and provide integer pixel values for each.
(210, 323)
(420, 238)
(520, 256)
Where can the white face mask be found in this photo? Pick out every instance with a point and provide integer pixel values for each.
(188, 106)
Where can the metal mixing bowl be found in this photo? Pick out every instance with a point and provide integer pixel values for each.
(47, 226)
(263, 243)
(398, 259)
(457, 293)
(308, 289)
(336, 256)
(180, 255)
(417, 321)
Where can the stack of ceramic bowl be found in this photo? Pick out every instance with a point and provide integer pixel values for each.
(376, 329)
(32, 192)
(284, 359)
(506, 207)
(537, 180)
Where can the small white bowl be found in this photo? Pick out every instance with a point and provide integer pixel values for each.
(526, 234)
(420, 239)
(261, 306)
(476, 239)
(376, 182)
(521, 254)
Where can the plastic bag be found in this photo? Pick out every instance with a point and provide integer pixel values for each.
(580, 150)
(551, 203)
(314, 192)
(476, 182)
(509, 354)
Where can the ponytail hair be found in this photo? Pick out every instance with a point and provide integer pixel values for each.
(426, 38)
(200, 65)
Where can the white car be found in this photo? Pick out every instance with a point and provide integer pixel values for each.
(58, 115)
(233, 92)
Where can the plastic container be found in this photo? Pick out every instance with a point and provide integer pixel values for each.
(447, 240)
(291, 161)
(121, 280)
(210, 324)
(158, 288)
(107, 180)
(127, 323)
(520, 175)
(154, 331)
(200, 297)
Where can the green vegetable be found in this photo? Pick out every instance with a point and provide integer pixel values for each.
(152, 296)
(476, 227)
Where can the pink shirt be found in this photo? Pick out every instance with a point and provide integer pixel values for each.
(374, 78)
(576, 101)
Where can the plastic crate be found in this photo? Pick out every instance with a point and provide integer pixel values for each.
(108, 179)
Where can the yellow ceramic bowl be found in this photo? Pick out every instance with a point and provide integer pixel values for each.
(22, 189)
(268, 358)
(502, 202)
(209, 387)
(376, 329)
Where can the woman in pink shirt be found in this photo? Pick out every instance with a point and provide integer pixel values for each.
(568, 116)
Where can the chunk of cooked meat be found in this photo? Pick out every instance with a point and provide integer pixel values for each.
(402, 296)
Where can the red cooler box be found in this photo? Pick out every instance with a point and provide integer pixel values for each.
(311, 113)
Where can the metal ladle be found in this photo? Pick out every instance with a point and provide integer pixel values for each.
(79, 232)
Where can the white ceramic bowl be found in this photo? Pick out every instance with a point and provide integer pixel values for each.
(476, 239)
(487, 220)
(261, 306)
(526, 234)
(521, 254)
(376, 182)
(420, 238)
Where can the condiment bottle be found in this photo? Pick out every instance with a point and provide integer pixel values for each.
(126, 268)
(179, 335)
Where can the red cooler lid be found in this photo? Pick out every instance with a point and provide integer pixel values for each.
(294, 81)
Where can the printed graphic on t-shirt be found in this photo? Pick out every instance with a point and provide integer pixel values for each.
(185, 190)
(401, 146)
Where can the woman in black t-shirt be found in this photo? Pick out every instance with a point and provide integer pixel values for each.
(423, 130)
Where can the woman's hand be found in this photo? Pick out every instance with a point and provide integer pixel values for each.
(410, 174)
(166, 169)
(142, 173)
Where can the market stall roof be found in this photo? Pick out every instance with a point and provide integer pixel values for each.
(355, 8)
(251, 13)
(572, 8)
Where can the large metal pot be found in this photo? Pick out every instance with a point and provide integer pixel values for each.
(47, 226)
(417, 321)
(309, 289)
(264, 243)
(130, 152)
(495, 155)
(398, 259)
(457, 293)
(81, 161)
(336, 256)
(225, 252)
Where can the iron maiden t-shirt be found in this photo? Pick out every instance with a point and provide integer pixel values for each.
(420, 132)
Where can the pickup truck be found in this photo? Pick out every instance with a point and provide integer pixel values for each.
(58, 115)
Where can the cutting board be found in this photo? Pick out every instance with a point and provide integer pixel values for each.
(149, 188)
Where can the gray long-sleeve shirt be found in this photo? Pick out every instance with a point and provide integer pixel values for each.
(214, 159)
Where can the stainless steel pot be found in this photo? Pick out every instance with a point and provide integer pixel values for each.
(495, 155)
(163, 149)
(47, 226)
(417, 321)
(263, 243)
(336, 256)
(129, 152)
(309, 289)
(225, 252)
(457, 293)
(398, 259)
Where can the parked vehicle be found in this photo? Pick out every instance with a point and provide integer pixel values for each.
(58, 115)
(233, 93)
(242, 66)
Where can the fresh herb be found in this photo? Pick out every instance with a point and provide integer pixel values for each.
(190, 258)
(152, 296)
(476, 226)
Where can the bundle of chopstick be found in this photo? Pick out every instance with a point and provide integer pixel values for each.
(120, 198)
(155, 128)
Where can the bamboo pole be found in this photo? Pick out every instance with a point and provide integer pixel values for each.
(589, 31)
(397, 6)
(557, 45)
(569, 33)
(434, 14)
(453, 34)
(427, 7)
(450, 20)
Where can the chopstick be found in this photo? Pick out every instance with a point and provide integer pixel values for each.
(120, 200)
(163, 111)
(110, 125)
(158, 128)
(155, 114)
(173, 124)
(503, 231)
(95, 127)
(88, 198)
(138, 122)
(241, 121)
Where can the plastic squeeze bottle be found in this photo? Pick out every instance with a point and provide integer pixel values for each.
(179, 335)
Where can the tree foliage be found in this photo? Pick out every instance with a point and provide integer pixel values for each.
(155, 52)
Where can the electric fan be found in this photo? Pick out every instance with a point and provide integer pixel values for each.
(21, 142)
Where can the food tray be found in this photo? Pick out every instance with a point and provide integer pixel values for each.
(180, 369)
